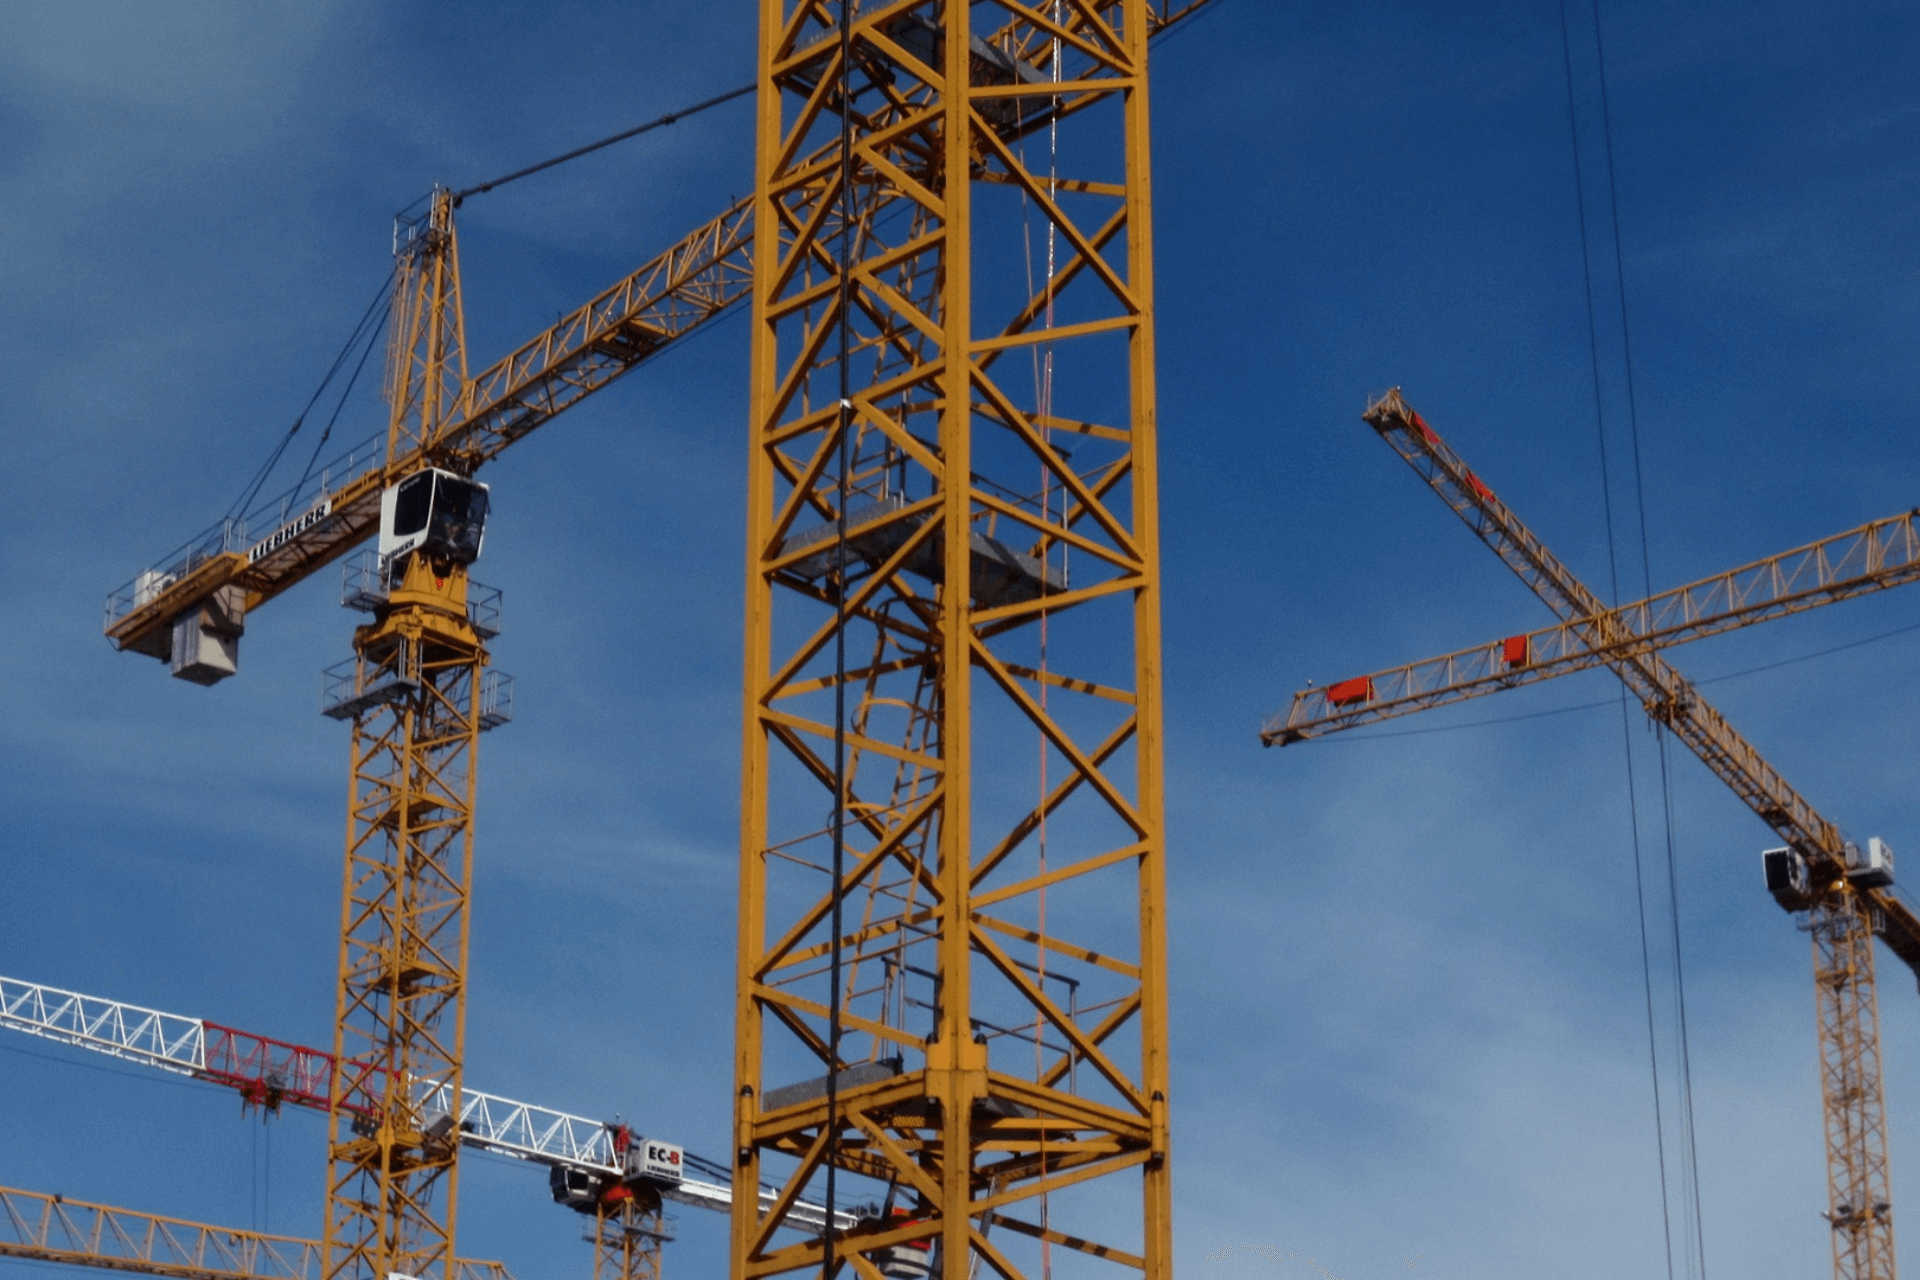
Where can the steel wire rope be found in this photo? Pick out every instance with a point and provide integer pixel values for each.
(843, 421)
(1613, 576)
(1042, 361)
(672, 117)
(167, 1076)
(1662, 735)
(252, 491)
(373, 340)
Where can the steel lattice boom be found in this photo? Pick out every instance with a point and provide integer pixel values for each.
(271, 1072)
(52, 1228)
(1841, 915)
(994, 945)
(695, 280)
(1876, 555)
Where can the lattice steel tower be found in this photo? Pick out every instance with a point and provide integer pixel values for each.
(414, 692)
(951, 970)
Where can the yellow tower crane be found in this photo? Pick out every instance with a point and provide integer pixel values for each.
(416, 692)
(418, 695)
(1845, 891)
(953, 566)
(417, 688)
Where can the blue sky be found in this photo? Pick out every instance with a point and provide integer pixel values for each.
(1407, 993)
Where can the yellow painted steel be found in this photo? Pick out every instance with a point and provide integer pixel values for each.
(1870, 557)
(401, 1006)
(694, 280)
(956, 563)
(1841, 917)
(52, 1228)
(627, 1236)
(698, 277)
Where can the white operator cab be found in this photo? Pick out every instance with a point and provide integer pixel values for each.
(1790, 882)
(435, 512)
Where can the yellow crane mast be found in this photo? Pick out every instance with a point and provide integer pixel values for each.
(915, 497)
(1846, 893)
(414, 692)
(418, 692)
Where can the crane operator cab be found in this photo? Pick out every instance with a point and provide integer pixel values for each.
(434, 514)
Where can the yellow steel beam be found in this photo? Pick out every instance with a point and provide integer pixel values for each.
(1871, 557)
(911, 530)
(627, 1234)
(1841, 916)
(400, 1014)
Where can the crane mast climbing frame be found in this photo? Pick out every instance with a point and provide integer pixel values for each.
(911, 503)
(1843, 908)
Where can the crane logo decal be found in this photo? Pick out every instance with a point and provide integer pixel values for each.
(288, 532)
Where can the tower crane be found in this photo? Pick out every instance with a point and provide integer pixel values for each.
(418, 691)
(597, 1168)
(418, 695)
(1844, 891)
(951, 993)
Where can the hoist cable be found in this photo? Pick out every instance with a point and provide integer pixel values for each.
(1646, 572)
(1613, 578)
(843, 421)
(671, 117)
(252, 491)
(373, 342)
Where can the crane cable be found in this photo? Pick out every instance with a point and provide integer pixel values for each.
(843, 424)
(1662, 736)
(1043, 378)
(1694, 1246)
(672, 117)
(377, 305)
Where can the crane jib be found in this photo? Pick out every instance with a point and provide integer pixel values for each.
(322, 512)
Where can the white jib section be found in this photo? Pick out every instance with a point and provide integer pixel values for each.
(517, 1129)
(524, 1131)
(164, 1040)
